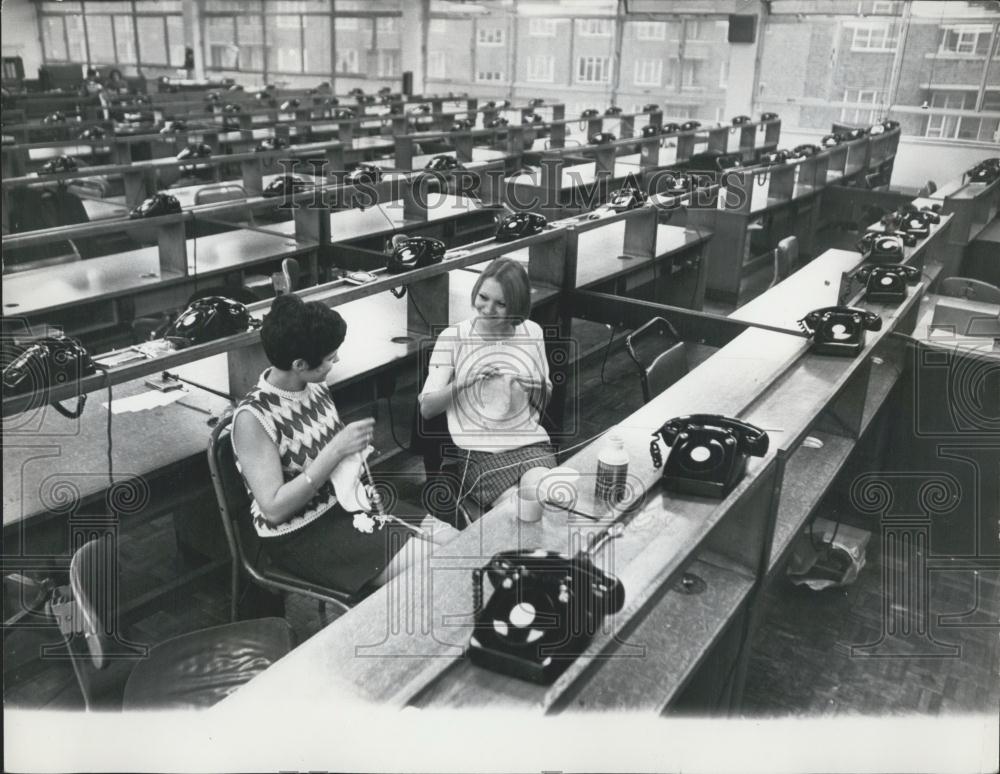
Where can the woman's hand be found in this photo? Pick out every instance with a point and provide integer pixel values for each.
(353, 438)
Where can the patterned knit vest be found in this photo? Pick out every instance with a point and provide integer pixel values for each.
(300, 424)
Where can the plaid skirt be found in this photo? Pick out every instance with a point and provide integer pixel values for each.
(484, 476)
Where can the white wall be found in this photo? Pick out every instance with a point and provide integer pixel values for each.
(917, 159)
(19, 35)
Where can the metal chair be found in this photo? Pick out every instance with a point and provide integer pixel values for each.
(287, 280)
(660, 362)
(244, 545)
(786, 256)
(971, 289)
(191, 671)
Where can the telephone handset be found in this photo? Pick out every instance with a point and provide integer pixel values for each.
(496, 123)
(886, 283)
(839, 330)
(590, 113)
(830, 140)
(708, 453)
(49, 362)
(289, 104)
(651, 131)
(649, 107)
(443, 163)
(463, 124)
(544, 609)
(670, 128)
(415, 253)
(768, 117)
(519, 225)
(531, 118)
(627, 199)
(614, 110)
(806, 150)
(156, 205)
(741, 120)
(688, 126)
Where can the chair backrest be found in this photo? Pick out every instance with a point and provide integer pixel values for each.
(288, 279)
(225, 192)
(972, 289)
(929, 187)
(659, 354)
(786, 255)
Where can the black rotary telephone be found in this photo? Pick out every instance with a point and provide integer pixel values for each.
(627, 199)
(423, 109)
(198, 150)
(830, 140)
(886, 283)
(57, 117)
(590, 113)
(231, 107)
(806, 150)
(649, 107)
(414, 253)
(364, 174)
(443, 163)
(915, 225)
(613, 110)
(601, 138)
(839, 330)
(156, 205)
(670, 128)
(286, 185)
(775, 157)
(536, 102)
(926, 214)
(890, 125)
(463, 125)
(49, 362)
(330, 101)
(357, 91)
(677, 184)
(741, 120)
(881, 248)
(531, 118)
(60, 164)
(519, 225)
(175, 126)
(289, 104)
(768, 116)
(688, 126)
(708, 453)
(344, 113)
(271, 144)
(544, 610)
(93, 133)
(855, 134)
(208, 319)
(496, 123)
(265, 96)
(651, 131)
(985, 171)
(213, 96)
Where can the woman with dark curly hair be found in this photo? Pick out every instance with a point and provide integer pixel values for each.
(291, 448)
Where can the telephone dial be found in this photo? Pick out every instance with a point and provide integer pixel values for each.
(519, 225)
(670, 128)
(627, 199)
(986, 171)
(364, 173)
(886, 284)
(208, 319)
(414, 253)
(290, 104)
(544, 609)
(708, 453)
(613, 110)
(531, 118)
(915, 225)
(536, 102)
(677, 185)
(741, 120)
(93, 133)
(343, 113)
(830, 140)
(839, 330)
(880, 248)
(496, 123)
(806, 150)
(271, 144)
(46, 363)
(463, 125)
(650, 107)
(688, 126)
(231, 108)
(890, 125)
(650, 131)
(60, 164)
(926, 214)
(601, 138)
(285, 185)
(57, 117)
(173, 127)
(590, 113)
(768, 116)
(443, 163)
(156, 205)
(198, 150)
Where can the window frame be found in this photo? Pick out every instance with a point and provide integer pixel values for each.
(581, 64)
(639, 26)
(593, 27)
(642, 64)
(889, 35)
(550, 26)
(485, 37)
(549, 69)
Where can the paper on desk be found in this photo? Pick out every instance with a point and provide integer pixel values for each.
(145, 401)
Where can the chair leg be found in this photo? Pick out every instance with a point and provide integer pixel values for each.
(234, 588)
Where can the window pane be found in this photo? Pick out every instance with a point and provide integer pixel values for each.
(124, 39)
(353, 41)
(54, 38)
(155, 6)
(250, 34)
(74, 35)
(99, 38)
(152, 39)
(284, 44)
(220, 37)
(317, 44)
(175, 40)
(451, 48)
